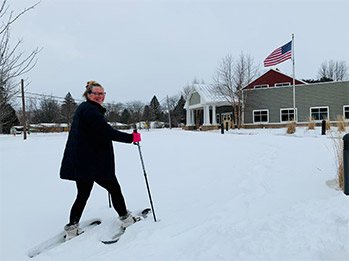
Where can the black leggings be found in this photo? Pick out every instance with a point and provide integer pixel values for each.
(84, 190)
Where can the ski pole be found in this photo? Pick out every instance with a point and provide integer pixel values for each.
(146, 179)
(109, 200)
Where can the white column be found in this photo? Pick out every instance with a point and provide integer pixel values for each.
(207, 115)
(214, 116)
(192, 118)
(189, 117)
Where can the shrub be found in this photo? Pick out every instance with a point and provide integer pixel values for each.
(340, 123)
(328, 125)
(291, 127)
(311, 124)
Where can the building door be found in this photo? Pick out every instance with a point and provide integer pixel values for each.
(226, 119)
(198, 118)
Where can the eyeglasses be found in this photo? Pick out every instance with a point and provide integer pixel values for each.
(98, 93)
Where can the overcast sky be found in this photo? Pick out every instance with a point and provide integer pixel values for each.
(140, 48)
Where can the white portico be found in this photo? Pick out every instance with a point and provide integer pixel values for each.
(201, 107)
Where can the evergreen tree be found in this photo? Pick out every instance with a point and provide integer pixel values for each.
(125, 117)
(68, 108)
(155, 110)
(147, 115)
(8, 117)
(9, 120)
(179, 113)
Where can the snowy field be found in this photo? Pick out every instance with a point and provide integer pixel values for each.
(244, 195)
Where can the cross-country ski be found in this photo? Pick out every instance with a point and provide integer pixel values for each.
(60, 238)
(141, 215)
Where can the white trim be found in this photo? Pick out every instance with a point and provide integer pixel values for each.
(279, 84)
(320, 107)
(259, 86)
(296, 114)
(259, 122)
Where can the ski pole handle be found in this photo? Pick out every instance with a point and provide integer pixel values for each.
(136, 137)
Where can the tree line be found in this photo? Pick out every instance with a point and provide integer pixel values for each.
(48, 109)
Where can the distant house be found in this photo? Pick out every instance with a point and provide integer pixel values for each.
(268, 102)
(41, 127)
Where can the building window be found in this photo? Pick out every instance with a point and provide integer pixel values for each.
(261, 116)
(261, 86)
(287, 115)
(319, 113)
(282, 84)
(346, 112)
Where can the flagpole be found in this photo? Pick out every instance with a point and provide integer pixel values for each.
(294, 81)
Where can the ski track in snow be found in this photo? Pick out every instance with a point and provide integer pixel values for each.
(244, 195)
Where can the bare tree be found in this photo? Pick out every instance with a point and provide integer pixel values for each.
(13, 61)
(190, 87)
(334, 70)
(48, 112)
(231, 76)
(167, 108)
(187, 90)
(31, 110)
(171, 102)
(135, 108)
(114, 111)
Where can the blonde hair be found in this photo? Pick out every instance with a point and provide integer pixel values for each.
(89, 87)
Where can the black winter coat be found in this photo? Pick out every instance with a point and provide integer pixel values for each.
(89, 153)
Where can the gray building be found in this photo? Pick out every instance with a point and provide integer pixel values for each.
(317, 101)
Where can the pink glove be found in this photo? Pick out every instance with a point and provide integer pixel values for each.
(136, 137)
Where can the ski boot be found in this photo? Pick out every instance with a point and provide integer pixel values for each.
(127, 220)
(71, 231)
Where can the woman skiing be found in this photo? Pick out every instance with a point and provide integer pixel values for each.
(88, 157)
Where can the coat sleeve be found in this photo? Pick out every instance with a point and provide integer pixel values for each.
(98, 125)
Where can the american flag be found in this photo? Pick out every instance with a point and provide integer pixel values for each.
(279, 55)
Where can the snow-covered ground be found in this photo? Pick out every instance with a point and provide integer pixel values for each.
(244, 195)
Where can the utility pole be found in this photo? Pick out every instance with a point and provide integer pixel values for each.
(169, 113)
(23, 110)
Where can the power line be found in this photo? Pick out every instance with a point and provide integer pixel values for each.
(42, 96)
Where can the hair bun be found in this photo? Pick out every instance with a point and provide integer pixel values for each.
(92, 83)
